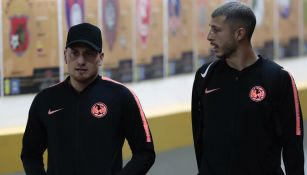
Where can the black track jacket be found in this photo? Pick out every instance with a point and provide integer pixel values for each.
(84, 131)
(243, 121)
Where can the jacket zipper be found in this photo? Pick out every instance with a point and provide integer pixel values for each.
(77, 125)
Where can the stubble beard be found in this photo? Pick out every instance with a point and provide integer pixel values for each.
(227, 51)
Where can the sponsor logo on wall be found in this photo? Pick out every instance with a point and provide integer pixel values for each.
(74, 12)
(19, 34)
(305, 12)
(259, 9)
(202, 20)
(143, 10)
(284, 8)
(110, 21)
(174, 13)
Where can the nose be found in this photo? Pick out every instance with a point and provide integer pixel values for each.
(81, 60)
(209, 36)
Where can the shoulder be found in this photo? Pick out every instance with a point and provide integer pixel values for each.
(51, 91)
(270, 64)
(116, 86)
(207, 65)
(113, 83)
(120, 90)
(205, 68)
(273, 69)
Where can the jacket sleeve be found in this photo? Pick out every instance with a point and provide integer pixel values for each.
(139, 138)
(292, 127)
(196, 118)
(34, 143)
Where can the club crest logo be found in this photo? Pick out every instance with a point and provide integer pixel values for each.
(99, 110)
(19, 34)
(110, 20)
(257, 93)
(284, 7)
(258, 7)
(201, 15)
(143, 19)
(174, 12)
(74, 12)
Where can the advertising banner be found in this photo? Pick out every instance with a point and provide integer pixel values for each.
(29, 45)
(117, 30)
(149, 42)
(180, 36)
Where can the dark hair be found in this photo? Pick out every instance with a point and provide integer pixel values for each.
(237, 13)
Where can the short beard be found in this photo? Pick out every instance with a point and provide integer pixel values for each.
(229, 49)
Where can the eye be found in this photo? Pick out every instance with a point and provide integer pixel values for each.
(214, 29)
(74, 53)
(91, 53)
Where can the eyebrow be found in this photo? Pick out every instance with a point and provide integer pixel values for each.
(86, 49)
(215, 26)
(72, 49)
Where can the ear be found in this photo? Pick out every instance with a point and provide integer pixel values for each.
(101, 55)
(65, 57)
(240, 34)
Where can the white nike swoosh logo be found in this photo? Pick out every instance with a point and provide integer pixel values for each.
(203, 74)
(208, 91)
(50, 112)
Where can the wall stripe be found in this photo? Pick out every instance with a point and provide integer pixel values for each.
(145, 123)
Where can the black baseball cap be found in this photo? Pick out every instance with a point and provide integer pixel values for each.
(85, 33)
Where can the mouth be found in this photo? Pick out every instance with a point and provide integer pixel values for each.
(81, 70)
(214, 47)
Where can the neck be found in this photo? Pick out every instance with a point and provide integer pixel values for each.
(243, 58)
(81, 85)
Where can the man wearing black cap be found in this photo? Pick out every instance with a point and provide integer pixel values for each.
(84, 120)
